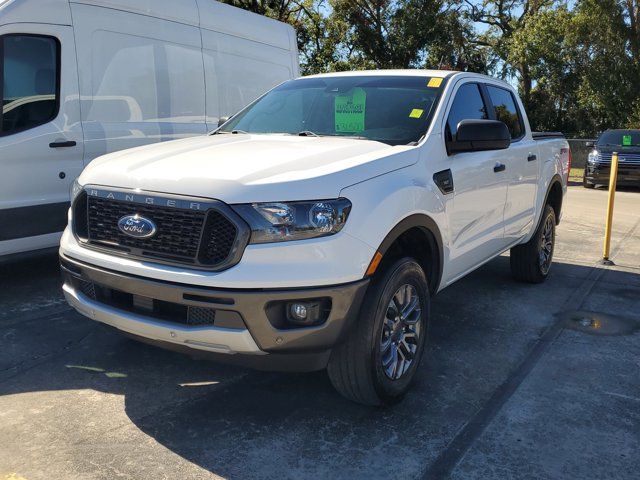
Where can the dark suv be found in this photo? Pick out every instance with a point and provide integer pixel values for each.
(598, 168)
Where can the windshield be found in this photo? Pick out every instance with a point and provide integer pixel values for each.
(391, 109)
(622, 138)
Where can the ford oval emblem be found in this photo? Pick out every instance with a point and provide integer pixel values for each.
(137, 226)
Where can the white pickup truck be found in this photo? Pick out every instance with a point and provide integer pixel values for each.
(312, 228)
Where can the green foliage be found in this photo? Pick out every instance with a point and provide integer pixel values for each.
(576, 64)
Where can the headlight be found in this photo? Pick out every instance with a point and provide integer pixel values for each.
(76, 188)
(593, 157)
(281, 222)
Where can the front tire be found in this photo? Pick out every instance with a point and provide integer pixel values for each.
(586, 183)
(531, 262)
(377, 362)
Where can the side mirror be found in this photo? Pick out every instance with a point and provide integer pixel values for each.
(480, 135)
(590, 144)
(223, 120)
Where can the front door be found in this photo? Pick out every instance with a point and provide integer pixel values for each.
(476, 214)
(41, 141)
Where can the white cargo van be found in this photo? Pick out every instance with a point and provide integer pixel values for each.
(82, 78)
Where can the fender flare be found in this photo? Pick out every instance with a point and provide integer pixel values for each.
(431, 229)
(555, 179)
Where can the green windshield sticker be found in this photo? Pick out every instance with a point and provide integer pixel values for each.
(626, 140)
(349, 111)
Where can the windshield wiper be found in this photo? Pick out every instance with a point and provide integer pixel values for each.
(235, 132)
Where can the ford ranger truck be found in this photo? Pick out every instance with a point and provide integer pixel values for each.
(311, 230)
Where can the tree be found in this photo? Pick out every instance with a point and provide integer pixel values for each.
(505, 20)
(606, 36)
(404, 33)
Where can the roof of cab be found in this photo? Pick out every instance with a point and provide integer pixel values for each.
(397, 72)
(413, 73)
(208, 14)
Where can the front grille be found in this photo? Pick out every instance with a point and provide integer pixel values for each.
(624, 159)
(218, 238)
(210, 236)
(178, 234)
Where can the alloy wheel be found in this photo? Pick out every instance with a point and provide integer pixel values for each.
(401, 330)
(546, 245)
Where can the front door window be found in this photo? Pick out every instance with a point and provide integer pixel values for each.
(30, 85)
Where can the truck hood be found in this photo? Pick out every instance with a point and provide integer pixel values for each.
(247, 168)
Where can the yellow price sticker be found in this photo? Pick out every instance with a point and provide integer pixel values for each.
(416, 113)
(435, 82)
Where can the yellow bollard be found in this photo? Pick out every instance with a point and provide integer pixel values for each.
(613, 179)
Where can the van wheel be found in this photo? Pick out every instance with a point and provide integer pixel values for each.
(531, 262)
(377, 362)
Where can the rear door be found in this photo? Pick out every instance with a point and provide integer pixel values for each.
(521, 162)
(41, 144)
(476, 220)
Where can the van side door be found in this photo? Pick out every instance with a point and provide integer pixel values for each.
(521, 161)
(476, 215)
(41, 141)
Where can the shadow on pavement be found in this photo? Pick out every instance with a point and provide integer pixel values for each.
(238, 423)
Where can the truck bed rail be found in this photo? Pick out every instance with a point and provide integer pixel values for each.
(545, 135)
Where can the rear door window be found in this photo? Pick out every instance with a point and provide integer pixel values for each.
(506, 111)
(30, 84)
(467, 105)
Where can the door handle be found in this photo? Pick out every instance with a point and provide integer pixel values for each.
(500, 167)
(532, 158)
(63, 144)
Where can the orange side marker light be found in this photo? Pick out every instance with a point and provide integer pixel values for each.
(373, 266)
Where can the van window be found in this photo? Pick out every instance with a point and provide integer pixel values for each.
(30, 90)
(468, 105)
(506, 111)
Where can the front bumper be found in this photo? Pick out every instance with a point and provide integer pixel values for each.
(599, 175)
(247, 326)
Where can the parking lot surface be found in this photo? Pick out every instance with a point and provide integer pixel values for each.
(520, 381)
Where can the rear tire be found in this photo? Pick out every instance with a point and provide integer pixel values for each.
(377, 362)
(531, 262)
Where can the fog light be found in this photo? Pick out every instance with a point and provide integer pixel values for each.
(309, 312)
(298, 311)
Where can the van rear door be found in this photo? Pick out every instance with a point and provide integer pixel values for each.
(41, 141)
